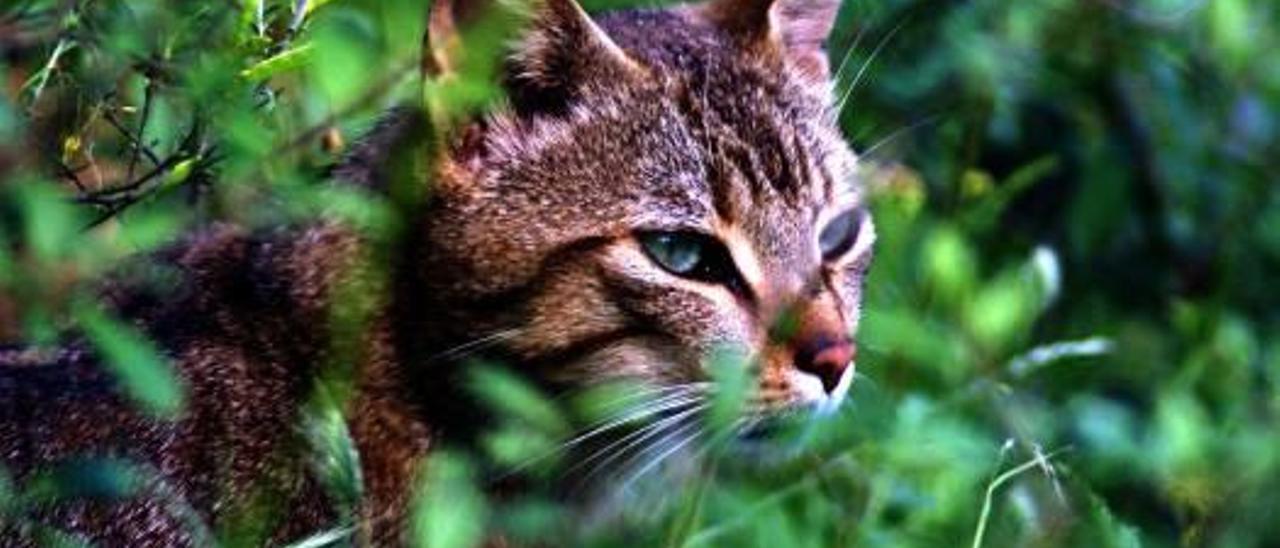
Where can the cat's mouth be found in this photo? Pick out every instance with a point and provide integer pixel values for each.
(761, 430)
(831, 402)
(770, 435)
(809, 394)
(769, 422)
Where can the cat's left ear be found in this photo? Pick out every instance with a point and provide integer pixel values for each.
(553, 53)
(797, 29)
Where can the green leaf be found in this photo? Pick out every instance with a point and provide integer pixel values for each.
(332, 537)
(1230, 23)
(732, 371)
(334, 457)
(517, 447)
(1048, 354)
(950, 267)
(1000, 312)
(7, 492)
(148, 229)
(314, 5)
(140, 367)
(91, 478)
(517, 400)
(52, 537)
(179, 174)
(449, 511)
(984, 215)
(285, 61)
(52, 224)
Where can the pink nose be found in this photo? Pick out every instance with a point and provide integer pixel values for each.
(826, 359)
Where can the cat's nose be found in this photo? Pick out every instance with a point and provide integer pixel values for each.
(826, 358)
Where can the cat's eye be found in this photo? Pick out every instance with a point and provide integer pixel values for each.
(691, 255)
(838, 237)
(678, 253)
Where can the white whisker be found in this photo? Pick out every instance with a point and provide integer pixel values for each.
(647, 391)
(866, 154)
(679, 395)
(848, 54)
(745, 424)
(674, 401)
(470, 347)
(875, 52)
(653, 463)
(632, 440)
(646, 409)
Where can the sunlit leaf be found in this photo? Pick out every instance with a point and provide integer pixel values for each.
(516, 399)
(285, 61)
(949, 265)
(448, 511)
(52, 224)
(1047, 354)
(733, 374)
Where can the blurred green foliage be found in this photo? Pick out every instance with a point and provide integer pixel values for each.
(1070, 335)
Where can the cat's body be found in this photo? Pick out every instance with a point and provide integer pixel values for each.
(666, 183)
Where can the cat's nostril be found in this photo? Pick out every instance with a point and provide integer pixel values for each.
(827, 360)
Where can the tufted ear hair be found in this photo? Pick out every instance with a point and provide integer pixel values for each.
(562, 55)
(558, 55)
(796, 29)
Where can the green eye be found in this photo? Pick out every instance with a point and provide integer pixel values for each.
(692, 255)
(838, 237)
(681, 254)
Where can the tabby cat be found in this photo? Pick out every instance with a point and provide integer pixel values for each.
(658, 184)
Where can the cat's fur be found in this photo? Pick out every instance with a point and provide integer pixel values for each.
(710, 118)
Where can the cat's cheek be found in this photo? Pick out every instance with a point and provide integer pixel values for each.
(847, 285)
(648, 360)
(700, 305)
(698, 316)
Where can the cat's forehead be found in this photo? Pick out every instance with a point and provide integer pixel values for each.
(766, 134)
(712, 138)
(693, 149)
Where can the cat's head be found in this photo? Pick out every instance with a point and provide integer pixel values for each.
(660, 184)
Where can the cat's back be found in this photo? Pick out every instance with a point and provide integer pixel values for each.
(226, 309)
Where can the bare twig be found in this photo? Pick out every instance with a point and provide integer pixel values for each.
(1040, 460)
(134, 140)
(147, 96)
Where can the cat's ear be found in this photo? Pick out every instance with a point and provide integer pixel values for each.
(442, 51)
(559, 53)
(562, 55)
(797, 29)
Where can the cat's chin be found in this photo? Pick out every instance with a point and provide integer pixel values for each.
(775, 435)
(813, 395)
(831, 402)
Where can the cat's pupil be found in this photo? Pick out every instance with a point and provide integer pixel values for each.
(840, 234)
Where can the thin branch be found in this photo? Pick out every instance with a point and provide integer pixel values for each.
(134, 141)
(1039, 460)
(69, 174)
(147, 95)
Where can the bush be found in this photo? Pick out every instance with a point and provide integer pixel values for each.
(1070, 336)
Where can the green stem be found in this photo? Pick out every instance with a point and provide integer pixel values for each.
(1038, 460)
